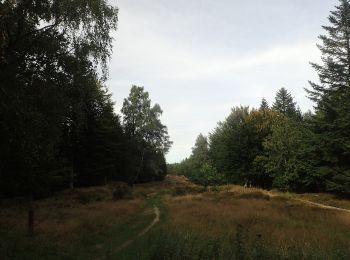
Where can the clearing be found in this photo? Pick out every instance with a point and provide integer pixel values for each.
(176, 219)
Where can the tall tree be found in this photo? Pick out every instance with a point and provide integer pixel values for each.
(285, 104)
(287, 156)
(48, 48)
(264, 104)
(332, 97)
(41, 43)
(142, 124)
(229, 145)
(200, 151)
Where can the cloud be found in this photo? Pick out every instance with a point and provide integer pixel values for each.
(200, 58)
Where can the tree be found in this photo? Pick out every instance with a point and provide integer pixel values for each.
(42, 42)
(208, 175)
(332, 97)
(199, 156)
(200, 151)
(48, 49)
(258, 125)
(228, 146)
(142, 124)
(285, 104)
(264, 105)
(287, 156)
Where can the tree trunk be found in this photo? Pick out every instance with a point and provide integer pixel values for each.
(30, 218)
(71, 179)
(140, 167)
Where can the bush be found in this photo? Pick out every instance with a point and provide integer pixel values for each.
(122, 191)
(209, 176)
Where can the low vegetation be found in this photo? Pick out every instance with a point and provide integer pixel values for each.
(228, 222)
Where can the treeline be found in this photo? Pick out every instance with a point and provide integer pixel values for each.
(278, 146)
(58, 127)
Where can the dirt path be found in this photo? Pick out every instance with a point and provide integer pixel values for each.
(322, 205)
(143, 232)
(311, 203)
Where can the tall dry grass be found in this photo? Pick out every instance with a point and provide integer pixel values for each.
(63, 216)
(280, 223)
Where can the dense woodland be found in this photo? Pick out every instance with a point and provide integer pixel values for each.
(58, 127)
(280, 147)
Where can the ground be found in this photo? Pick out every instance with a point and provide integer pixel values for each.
(176, 219)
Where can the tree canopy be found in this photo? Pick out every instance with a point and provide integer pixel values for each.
(58, 126)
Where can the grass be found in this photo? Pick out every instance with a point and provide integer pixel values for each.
(323, 198)
(281, 226)
(230, 222)
(73, 225)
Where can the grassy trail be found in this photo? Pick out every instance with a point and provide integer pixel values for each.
(127, 243)
(177, 219)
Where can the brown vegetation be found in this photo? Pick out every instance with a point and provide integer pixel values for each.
(66, 214)
(278, 221)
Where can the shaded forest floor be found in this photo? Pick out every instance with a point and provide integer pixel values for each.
(228, 222)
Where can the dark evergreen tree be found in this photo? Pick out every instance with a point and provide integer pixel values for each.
(264, 105)
(285, 104)
(47, 49)
(332, 97)
(41, 44)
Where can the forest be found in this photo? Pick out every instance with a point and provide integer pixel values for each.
(277, 145)
(82, 179)
(58, 125)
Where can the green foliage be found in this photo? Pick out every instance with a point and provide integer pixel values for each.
(57, 121)
(332, 96)
(198, 168)
(282, 148)
(236, 143)
(209, 176)
(264, 105)
(285, 104)
(228, 144)
(149, 136)
(142, 122)
(46, 73)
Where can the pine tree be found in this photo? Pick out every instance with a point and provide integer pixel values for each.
(285, 104)
(264, 105)
(332, 97)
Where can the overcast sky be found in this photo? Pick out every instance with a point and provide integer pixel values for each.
(199, 58)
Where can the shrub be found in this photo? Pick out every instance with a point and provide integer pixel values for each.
(122, 191)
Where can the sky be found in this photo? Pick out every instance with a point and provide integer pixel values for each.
(199, 58)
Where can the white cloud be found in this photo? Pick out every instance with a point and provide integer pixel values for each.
(204, 57)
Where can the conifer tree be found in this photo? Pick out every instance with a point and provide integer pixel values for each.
(332, 97)
(264, 105)
(285, 104)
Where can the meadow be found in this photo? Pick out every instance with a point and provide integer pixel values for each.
(227, 222)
